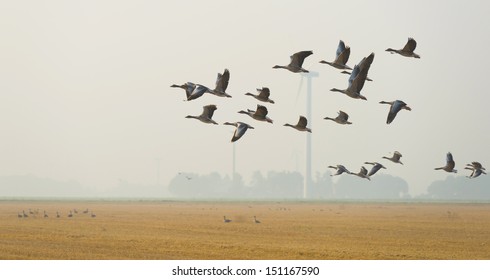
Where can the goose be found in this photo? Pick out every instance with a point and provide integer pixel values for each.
(407, 49)
(296, 63)
(57, 214)
(476, 165)
(70, 214)
(92, 215)
(301, 125)
(75, 211)
(207, 114)
(395, 158)
(45, 214)
(241, 128)
(449, 164)
(395, 107)
(31, 212)
(19, 215)
(340, 169)
(260, 114)
(362, 173)
(376, 166)
(475, 172)
(85, 211)
(341, 57)
(357, 79)
(348, 73)
(263, 95)
(342, 118)
(256, 221)
(226, 220)
(192, 91)
(24, 214)
(221, 84)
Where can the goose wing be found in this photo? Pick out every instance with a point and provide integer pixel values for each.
(298, 58)
(477, 165)
(264, 93)
(198, 91)
(397, 155)
(222, 81)
(410, 45)
(261, 111)
(394, 109)
(363, 171)
(450, 161)
(302, 122)
(208, 111)
(189, 88)
(354, 74)
(342, 54)
(343, 116)
(239, 131)
(360, 78)
(375, 169)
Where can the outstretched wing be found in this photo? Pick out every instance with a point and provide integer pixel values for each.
(343, 116)
(298, 58)
(264, 92)
(208, 110)
(410, 45)
(343, 53)
(302, 121)
(222, 81)
(261, 111)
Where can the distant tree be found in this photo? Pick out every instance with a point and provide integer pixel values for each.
(381, 186)
(459, 188)
(322, 186)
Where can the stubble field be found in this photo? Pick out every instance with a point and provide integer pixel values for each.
(288, 230)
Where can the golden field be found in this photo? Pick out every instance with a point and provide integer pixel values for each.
(288, 230)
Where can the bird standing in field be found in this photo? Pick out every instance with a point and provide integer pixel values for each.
(449, 164)
(301, 125)
(263, 95)
(241, 128)
(407, 49)
(395, 158)
(207, 114)
(357, 79)
(342, 118)
(225, 220)
(376, 166)
(259, 114)
(341, 57)
(395, 107)
(296, 64)
(221, 84)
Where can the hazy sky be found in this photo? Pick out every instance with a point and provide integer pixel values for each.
(85, 87)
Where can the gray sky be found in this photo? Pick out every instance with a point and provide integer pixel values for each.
(85, 96)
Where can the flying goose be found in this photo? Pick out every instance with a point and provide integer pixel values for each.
(449, 164)
(263, 95)
(407, 49)
(395, 158)
(376, 166)
(260, 114)
(241, 128)
(207, 114)
(342, 118)
(357, 79)
(296, 64)
(221, 84)
(301, 125)
(226, 220)
(362, 173)
(340, 169)
(341, 57)
(256, 221)
(192, 91)
(395, 107)
(476, 168)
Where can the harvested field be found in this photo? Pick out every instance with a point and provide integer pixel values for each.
(288, 230)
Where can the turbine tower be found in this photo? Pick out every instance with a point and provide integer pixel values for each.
(307, 181)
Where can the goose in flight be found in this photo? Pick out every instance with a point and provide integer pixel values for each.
(376, 166)
(241, 128)
(476, 169)
(342, 118)
(221, 84)
(395, 107)
(357, 79)
(192, 91)
(340, 169)
(395, 158)
(263, 95)
(296, 64)
(301, 125)
(341, 57)
(362, 173)
(407, 49)
(449, 164)
(207, 114)
(260, 114)
(226, 220)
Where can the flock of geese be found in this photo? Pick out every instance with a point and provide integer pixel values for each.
(35, 213)
(357, 77)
